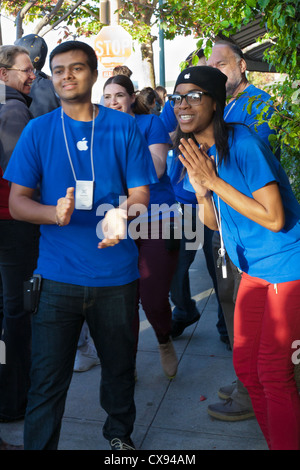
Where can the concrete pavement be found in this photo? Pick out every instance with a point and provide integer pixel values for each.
(171, 415)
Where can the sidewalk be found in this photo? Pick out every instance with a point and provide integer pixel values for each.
(170, 414)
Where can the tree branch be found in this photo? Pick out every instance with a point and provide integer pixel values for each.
(42, 24)
(48, 17)
(20, 16)
(86, 9)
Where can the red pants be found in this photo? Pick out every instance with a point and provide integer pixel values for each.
(157, 266)
(266, 323)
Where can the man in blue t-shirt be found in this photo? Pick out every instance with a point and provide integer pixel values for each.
(92, 167)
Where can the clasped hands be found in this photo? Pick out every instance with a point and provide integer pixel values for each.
(200, 167)
(113, 225)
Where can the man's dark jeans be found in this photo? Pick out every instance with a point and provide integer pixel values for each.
(18, 256)
(109, 312)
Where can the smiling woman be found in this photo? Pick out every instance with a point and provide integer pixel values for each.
(246, 195)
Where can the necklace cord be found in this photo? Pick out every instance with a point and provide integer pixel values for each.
(67, 145)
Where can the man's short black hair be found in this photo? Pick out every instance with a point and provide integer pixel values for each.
(76, 45)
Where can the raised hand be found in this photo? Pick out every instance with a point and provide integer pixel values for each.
(114, 227)
(65, 208)
(200, 167)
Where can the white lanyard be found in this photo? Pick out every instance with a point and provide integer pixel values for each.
(67, 146)
(233, 104)
(221, 251)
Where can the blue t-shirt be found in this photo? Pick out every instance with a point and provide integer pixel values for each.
(155, 132)
(168, 117)
(236, 111)
(121, 160)
(256, 250)
(175, 169)
(174, 165)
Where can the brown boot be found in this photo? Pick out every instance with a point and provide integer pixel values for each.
(168, 359)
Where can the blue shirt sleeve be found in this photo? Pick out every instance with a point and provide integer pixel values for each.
(237, 111)
(168, 117)
(153, 129)
(24, 166)
(254, 160)
(158, 133)
(137, 146)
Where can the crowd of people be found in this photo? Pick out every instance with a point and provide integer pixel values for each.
(91, 197)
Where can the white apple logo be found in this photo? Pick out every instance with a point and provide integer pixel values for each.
(82, 144)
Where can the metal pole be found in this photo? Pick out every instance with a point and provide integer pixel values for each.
(103, 12)
(162, 79)
(114, 17)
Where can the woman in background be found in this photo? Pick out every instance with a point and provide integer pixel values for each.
(157, 258)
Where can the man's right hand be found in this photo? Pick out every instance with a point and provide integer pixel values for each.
(65, 208)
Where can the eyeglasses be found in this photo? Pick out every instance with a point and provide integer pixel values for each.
(193, 98)
(28, 71)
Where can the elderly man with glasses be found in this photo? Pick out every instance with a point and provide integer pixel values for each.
(18, 240)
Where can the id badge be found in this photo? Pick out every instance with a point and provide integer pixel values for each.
(84, 195)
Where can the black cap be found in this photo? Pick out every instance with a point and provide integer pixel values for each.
(36, 47)
(208, 78)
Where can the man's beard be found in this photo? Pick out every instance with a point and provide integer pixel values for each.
(232, 87)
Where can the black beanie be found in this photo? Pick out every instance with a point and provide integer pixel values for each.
(36, 47)
(208, 78)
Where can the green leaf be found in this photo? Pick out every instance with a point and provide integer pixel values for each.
(290, 11)
(251, 3)
(263, 3)
(225, 24)
(249, 108)
(199, 44)
(248, 11)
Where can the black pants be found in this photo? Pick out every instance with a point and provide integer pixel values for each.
(18, 256)
(227, 290)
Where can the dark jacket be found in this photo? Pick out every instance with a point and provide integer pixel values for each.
(14, 115)
(43, 95)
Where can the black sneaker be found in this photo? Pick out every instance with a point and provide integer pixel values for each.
(121, 444)
(178, 327)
